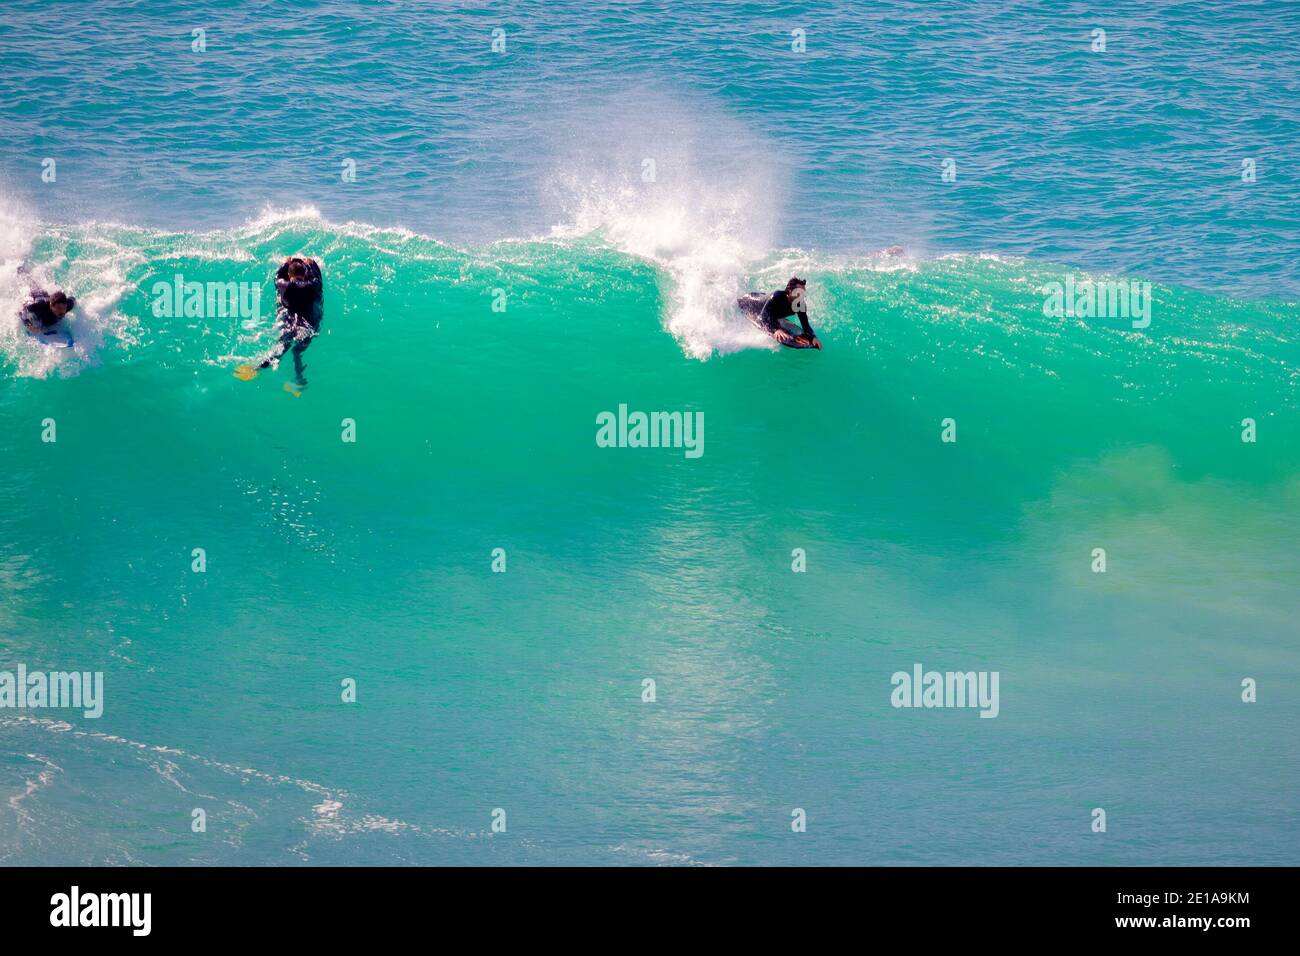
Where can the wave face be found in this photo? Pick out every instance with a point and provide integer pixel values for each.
(476, 430)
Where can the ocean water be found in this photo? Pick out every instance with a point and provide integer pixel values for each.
(538, 236)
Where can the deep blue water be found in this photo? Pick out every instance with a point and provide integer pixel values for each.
(1126, 160)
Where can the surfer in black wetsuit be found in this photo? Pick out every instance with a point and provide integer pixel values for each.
(46, 310)
(299, 307)
(770, 308)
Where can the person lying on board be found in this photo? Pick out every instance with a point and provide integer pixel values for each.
(771, 308)
(46, 310)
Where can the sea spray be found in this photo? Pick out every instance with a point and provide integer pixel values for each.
(690, 192)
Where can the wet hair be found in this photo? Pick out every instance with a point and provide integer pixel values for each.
(795, 281)
(297, 267)
(58, 298)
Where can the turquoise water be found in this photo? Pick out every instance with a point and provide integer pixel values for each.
(514, 180)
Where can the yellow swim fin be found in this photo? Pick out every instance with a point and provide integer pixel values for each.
(293, 389)
(245, 373)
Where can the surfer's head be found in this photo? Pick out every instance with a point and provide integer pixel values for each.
(794, 290)
(297, 268)
(61, 304)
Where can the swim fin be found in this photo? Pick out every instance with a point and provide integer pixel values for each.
(245, 373)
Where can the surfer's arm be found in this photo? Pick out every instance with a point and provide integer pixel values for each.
(37, 316)
(311, 282)
(295, 294)
(808, 332)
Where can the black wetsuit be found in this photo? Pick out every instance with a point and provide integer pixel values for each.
(770, 309)
(298, 314)
(37, 313)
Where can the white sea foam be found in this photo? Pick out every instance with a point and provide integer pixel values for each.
(30, 786)
(328, 817)
(97, 277)
(691, 193)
